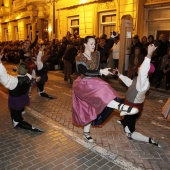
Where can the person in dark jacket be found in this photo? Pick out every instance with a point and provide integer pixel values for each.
(164, 70)
(26, 56)
(25, 52)
(134, 63)
(69, 59)
(163, 45)
(135, 43)
(18, 94)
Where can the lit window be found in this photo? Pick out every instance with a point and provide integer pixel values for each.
(107, 23)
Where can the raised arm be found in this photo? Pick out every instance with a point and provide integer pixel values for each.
(35, 41)
(109, 44)
(142, 79)
(7, 80)
(126, 80)
(39, 57)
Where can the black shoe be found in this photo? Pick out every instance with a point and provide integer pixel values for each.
(129, 136)
(24, 125)
(51, 97)
(35, 129)
(157, 142)
(27, 126)
(88, 138)
(46, 95)
(128, 110)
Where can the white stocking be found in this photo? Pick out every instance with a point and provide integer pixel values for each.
(123, 108)
(136, 135)
(15, 123)
(114, 104)
(87, 127)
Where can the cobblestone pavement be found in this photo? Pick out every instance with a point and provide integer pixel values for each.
(110, 140)
(51, 150)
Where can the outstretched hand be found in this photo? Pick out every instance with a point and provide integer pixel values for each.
(151, 49)
(42, 48)
(105, 71)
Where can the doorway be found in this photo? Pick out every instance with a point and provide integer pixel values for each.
(16, 33)
(6, 34)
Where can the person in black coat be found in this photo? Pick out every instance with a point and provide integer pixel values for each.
(26, 51)
(69, 59)
(135, 43)
(26, 56)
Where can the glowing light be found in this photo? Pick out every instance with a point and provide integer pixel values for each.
(18, 17)
(49, 29)
(83, 1)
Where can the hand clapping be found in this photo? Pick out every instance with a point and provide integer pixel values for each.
(116, 72)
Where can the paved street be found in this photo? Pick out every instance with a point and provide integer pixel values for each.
(52, 150)
(62, 144)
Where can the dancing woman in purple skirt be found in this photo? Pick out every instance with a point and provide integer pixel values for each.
(90, 93)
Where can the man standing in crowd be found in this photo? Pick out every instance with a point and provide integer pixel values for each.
(161, 51)
(69, 60)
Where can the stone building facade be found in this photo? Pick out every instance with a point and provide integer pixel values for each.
(53, 18)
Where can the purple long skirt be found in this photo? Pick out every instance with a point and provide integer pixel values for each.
(90, 97)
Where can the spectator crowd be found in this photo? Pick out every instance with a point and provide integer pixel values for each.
(62, 53)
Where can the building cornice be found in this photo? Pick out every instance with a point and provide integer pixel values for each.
(75, 5)
(154, 3)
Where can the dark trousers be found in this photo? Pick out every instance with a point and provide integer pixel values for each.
(16, 115)
(116, 63)
(67, 69)
(40, 86)
(130, 120)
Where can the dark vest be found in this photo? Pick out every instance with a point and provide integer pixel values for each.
(133, 95)
(18, 97)
(22, 87)
(132, 91)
